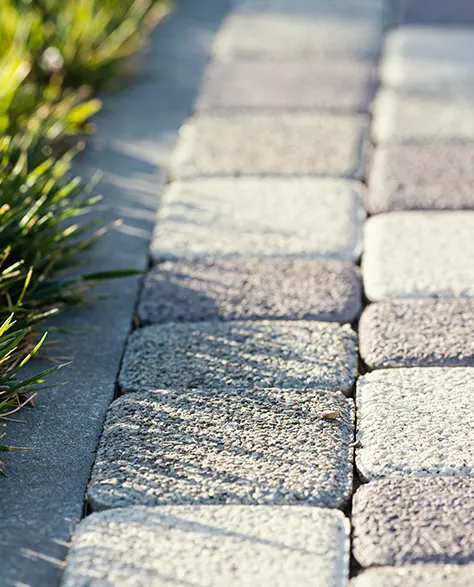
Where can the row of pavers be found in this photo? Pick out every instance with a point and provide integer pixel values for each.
(249, 408)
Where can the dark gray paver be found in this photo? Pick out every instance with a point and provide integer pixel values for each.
(302, 28)
(424, 176)
(340, 85)
(416, 422)
(443, 12)
(227, 355)
(257, 216)
(43, 497)
(419, 255)
(408, 521)
(301, 143)
(212, 546)
(216, 446)
(251, 289)
(416, 576)
(418, 333)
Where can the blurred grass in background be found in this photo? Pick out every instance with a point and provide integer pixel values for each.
(55, 55)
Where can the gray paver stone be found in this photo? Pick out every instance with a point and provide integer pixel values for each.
(236, 355)
(419, 254)
(416, 177)
(302, 28)
(248, 217)
(211, 546)
(261, 446)
(340, 85)
(298, 143)
(438, 11)
(418, 333)
(410, 521)
(416, 422)
(251, 289)
(416, 576)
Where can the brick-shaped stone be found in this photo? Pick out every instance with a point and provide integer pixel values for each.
(415, 575)
(298, 143)
(251, 289)
(421, 177)
(341, 85)
(212, 546)
(419, 254)
(302, 28)
(250, 217)
(416, 422)
(443, 12)
(240, 355)
(403, 117)
(430, 59)
(418, 333)
(413, 521)
(261, 446)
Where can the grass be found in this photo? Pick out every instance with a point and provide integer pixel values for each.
(55, 55)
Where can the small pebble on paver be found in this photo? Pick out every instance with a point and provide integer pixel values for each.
(212, 546)
(416, 576)
(251, 289)
(236, 355)
(433, 60)
(340, 85)
(403, 117)
(442, 12)
(417, 177)
(298, 143)
(419, 254)
(418, 333)
(416, 422)
(301, 29)
(251, 217)
(410, 521)
(258, 446)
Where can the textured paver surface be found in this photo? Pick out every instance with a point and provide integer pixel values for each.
(212, 546)
(341, 85)
(230, 217)
(418, 333)
(431, 176)
(416, 422)
(297, 355)
(419, 254)
(416, 575)
(302, 28)
(438, 11)
(251, 289)
(301, 143)
(260, 446)
(409, 521)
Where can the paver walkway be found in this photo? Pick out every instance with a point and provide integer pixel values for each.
(229, 458)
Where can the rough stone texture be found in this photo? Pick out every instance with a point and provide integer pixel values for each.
(401, 117)
(416, 575)
(419, 254)
(416, 177)
(340, 85)
(297, 143)
(249, 217)
(410, 521)
(418, 333)
(261, 446)
(416, 422)
(302, 28)
(212, 546)
(236, 355)
(432, 59)
(443, 12)
(251, 289)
